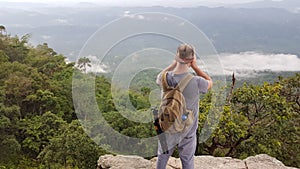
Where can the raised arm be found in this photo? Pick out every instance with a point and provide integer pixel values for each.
(199, 72)
(169, 68)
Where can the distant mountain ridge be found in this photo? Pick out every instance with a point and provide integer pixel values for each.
(291, 5)
(231, 30)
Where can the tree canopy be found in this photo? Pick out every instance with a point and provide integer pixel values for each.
(40, 129)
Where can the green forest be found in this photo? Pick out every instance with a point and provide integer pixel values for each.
(40, 129)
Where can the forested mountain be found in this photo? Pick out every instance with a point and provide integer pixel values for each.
(38, 124)
(40, 129)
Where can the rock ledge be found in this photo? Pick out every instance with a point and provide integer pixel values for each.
(261, 161)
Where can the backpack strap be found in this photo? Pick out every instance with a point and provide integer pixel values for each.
(181, 85)
(184, 82)
(164, 81)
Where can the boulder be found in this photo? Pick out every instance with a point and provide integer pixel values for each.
(263, 161)
(123, 162)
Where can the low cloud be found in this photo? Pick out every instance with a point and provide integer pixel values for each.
(242, 64)
(21, 26)
(133, 16)
(46, 37)
(61, 21)
(252, 61)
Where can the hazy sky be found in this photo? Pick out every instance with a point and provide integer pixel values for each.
(173, 3)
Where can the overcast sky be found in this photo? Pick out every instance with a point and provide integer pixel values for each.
(173, 3)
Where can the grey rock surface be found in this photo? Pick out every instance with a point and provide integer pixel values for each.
(261, 161)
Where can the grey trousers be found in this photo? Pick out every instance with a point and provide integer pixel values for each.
(186, 148)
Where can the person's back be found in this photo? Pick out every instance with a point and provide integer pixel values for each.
(191, 93)
(186, 142)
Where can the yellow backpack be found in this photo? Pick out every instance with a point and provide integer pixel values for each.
(172, 112)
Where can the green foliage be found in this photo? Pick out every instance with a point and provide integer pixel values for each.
(37, 131)
(71, 148)
(9, 145)
(103, 94)
(36, 104)
(39, 127)
(133, 129)
(257, 119)
(3, 57)
(14, 47)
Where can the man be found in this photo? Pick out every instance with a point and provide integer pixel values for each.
(186, 142)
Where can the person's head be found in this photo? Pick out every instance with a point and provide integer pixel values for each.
(185, 54)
